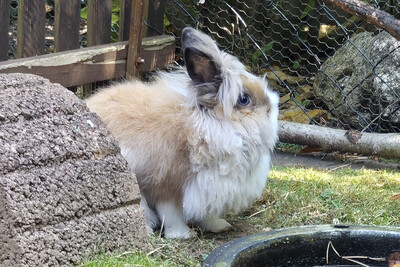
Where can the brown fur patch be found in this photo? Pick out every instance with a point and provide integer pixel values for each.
(255, 89)
(148, 120)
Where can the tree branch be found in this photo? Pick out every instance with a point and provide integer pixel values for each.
(385, 145)
(370, 14)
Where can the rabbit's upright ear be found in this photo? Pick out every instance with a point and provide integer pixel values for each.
(200, 53)
(200, 67)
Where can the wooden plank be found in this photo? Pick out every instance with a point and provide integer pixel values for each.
(155, 17)
(158, 52)
(99, 22)
(5, 26)
(135, 39)
(92, 64)
(67, 22)
(31, 28)
(124, 19)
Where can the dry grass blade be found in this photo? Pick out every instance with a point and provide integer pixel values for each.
(330, 245)
(357, 262)
(364, 258)
(126, 253)
(350, 258)
(157, 249)
(338, 167)
(162, 226)
(397, 196)
(260, 211)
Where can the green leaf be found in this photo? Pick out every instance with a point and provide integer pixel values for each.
(166, 21)
(307, 9)
(257, 54)
(84, 13)
(296, 65)
(116, 6)
(114, 18)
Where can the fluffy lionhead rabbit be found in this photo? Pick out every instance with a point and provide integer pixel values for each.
(199, 140)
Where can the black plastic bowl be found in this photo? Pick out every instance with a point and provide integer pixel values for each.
(307, 246)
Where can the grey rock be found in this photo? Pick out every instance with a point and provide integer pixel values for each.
(66, 193)
(360, 83)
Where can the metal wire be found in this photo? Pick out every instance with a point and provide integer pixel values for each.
(291, 42)
(295, 44)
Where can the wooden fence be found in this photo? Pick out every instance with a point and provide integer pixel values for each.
(101, 60)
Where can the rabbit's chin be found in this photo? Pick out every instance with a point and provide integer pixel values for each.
(210, 194)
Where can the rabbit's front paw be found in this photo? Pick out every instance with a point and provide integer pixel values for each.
(182, 232)
(215, 225)
(172, 221)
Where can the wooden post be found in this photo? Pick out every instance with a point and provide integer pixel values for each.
(99, 28)
(124, 19)
(145, 14)
(99, 22)
(135, 39)
(5, 25)
(67, 22)
(155, 17)
(31, 27)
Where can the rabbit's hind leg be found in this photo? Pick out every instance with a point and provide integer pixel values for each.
(214, 224)
(152, 220)
(172, 221)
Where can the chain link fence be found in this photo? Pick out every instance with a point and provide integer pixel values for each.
(329, 67)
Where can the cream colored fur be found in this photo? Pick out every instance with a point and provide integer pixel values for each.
(193, 164)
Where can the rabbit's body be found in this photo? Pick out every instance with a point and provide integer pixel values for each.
(197, 152)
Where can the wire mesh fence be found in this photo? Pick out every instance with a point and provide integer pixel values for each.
(329, 67)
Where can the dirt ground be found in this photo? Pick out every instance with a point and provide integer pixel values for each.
(329, 161)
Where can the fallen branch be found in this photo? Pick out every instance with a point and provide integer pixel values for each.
(370, 14)
(384, 145)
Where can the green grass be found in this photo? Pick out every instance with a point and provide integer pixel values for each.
(293, 196)
(129, 259)
(308, 196)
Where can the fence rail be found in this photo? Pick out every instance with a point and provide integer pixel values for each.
(92, 64)
(61, 22)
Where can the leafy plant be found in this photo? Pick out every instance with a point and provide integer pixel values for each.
(257, 54)
(115, 15)
(296, 64)
(307, 9)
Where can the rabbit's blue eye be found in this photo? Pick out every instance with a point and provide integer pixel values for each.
(244, 100)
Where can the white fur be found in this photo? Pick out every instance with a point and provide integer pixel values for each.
(214, 224)
(151, 218)
(213, 160)
(211, 194)
(171, 217)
